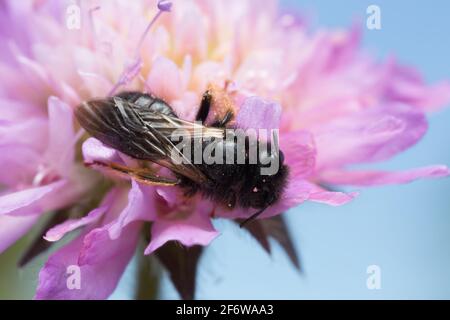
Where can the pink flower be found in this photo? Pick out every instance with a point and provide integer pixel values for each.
(334, 105)
(38, 168)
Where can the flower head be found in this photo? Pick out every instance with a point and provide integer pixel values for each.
(334, 107)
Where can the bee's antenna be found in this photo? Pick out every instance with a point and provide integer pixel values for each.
(252, 217)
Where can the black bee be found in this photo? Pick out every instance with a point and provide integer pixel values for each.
(142, 126)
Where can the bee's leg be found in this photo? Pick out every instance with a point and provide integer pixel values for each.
(224, 104)
(205, 106)
(146, 176)
(222, 123)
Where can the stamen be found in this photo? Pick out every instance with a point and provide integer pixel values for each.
(92, 25)
(165, 5)
(144, 83)
(133, 68)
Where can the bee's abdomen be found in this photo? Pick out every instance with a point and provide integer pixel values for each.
(148, 102)
(119, 125)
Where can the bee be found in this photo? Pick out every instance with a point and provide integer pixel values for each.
(141, 126)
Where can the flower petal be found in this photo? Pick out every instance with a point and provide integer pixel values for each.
(165, 80)
(100, 261)
(95, 150)
(31, 132)
(30, 201)
(374, 178)
(170, 194)
(331, 198)
(13, 228)
(19, 164)
(196, 229)
(406, 85)
(98, 247)
(56, 233)
(91, 254)
(295, 193)
(140, 207)
(370, 135)
(14, 110)
(190, 30)
(60, 152)
(96, 84)
(256, 113)
(300, 153)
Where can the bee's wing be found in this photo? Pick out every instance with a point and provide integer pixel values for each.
(162, 126)
(142, 133)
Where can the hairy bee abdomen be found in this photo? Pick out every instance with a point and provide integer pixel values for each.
(120, 128)
(148, 102)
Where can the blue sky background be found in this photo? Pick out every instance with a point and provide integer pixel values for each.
(403, 229)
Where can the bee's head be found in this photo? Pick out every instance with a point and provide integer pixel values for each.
(266, 186)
